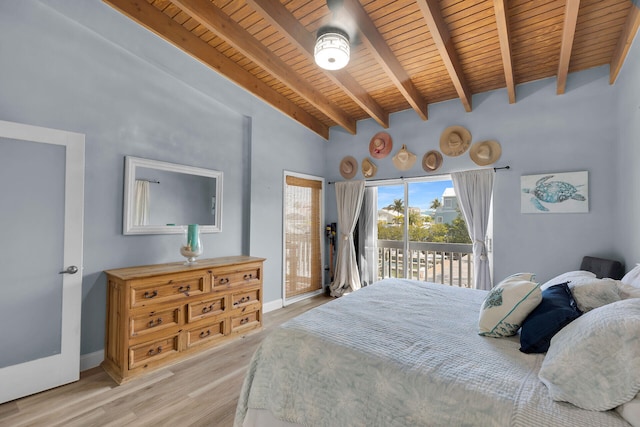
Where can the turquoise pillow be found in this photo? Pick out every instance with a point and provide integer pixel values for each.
(556, 310)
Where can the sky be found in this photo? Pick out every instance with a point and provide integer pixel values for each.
(421, 194)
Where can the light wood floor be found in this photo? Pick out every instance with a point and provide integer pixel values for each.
(201, 391)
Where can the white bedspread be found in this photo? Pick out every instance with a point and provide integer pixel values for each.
(402, 353)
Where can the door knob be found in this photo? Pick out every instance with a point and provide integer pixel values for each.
(70, 270)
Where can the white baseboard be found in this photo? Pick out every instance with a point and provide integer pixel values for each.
(91, 360)
(272, 305)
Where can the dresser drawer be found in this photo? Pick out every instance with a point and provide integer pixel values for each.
(206, 334)
(209, 307)
(154, 321)
(168, 288)
(244, 322)
(156, 350)
(226, 279)
(245, 298)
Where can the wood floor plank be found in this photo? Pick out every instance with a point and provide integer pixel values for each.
(200, 391)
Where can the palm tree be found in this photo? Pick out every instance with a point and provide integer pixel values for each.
(398, 207)
(415, 218)
(435, 204)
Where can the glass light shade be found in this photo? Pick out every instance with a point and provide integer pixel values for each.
(332, 50)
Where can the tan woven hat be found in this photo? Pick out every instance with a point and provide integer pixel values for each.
(485, 153)
(404, 159)
(455, 140)
(431, 161)
(369, 168)
(380, 145)
(348, 167)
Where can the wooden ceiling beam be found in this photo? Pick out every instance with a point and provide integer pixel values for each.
(568, 32)
(624, 42)
(440, 34)
(279, 17)
(502, 21)
(379, 48)
(162, 25)
(215, 20)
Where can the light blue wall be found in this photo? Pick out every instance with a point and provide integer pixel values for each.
(628, 166)
(541, 133)
(81, 66)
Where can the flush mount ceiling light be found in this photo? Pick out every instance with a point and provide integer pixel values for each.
(332, 48)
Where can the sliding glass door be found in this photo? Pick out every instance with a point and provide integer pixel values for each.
(421, 233)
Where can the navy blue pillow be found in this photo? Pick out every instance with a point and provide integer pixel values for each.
(556, 310)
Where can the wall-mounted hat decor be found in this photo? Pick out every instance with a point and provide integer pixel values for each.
(404, 159)
(485, 152)
(348, 167)
(380, 145)
(431, 161)
(455, 140)
(369, 168)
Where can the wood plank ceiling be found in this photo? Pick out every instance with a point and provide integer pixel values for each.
(405, 54)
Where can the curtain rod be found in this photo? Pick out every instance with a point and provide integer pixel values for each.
(153, 181)
(442, 174)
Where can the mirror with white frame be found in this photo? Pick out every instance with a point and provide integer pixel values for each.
(162, 197)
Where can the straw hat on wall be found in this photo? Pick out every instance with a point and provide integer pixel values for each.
(348, 167)
(455, 140)
(485, 153)
(380, 145)
(404, 159)
(369, 168)
(431, 161)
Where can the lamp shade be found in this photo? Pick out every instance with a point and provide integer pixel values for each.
(332, 49)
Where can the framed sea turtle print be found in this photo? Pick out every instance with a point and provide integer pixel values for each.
(566, 192)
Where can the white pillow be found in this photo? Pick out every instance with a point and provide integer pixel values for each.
(508, 304)
(630, 411)
(565, 277)
(594, 361)
(591, 293)
(633, 277)
(627, 291)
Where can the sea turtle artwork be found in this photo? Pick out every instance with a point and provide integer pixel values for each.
(552, 192)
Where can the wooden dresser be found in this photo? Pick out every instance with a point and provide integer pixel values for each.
(159, 314)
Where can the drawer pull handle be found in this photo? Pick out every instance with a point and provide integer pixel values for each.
(204, 334)
(153, 352)
(150, 295)
(224, 280)
(244, 320)
(248, 276)
(184, 288)
(243, 300)
(207, 309)
(156, 322)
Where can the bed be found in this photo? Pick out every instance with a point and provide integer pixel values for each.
(402, 353)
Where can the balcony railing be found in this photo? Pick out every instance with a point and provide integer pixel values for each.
(446, 263)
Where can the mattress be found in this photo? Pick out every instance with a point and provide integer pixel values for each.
(400, 353)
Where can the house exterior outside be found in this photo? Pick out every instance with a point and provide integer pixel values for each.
(448, 210)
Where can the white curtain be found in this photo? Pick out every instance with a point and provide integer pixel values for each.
(474, 190)
(368, 237)
(141, 214)
(349, 199)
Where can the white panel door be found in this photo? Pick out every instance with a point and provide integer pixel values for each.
(42, 196)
